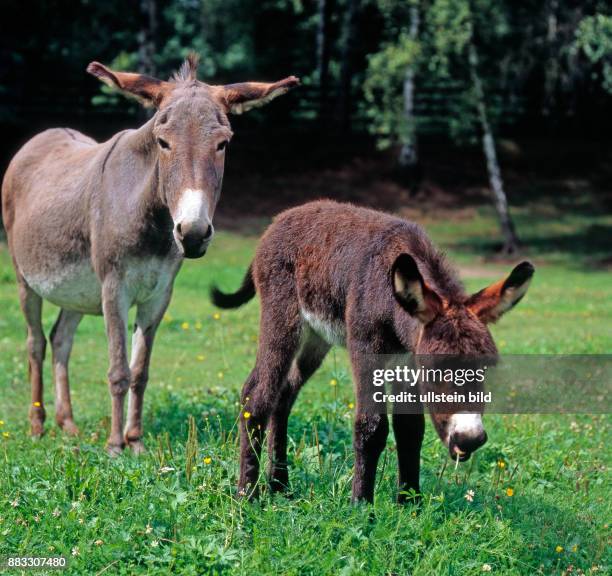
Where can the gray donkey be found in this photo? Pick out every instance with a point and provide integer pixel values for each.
(97, 228)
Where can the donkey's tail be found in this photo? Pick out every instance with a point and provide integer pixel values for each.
(235, 299)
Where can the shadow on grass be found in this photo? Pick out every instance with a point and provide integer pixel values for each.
(588, 246)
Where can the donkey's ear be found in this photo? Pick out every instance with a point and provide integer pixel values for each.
(490, 303)
(238, 98)
(411, 291)
(148, 90)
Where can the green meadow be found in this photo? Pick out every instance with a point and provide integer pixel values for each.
(534, 500)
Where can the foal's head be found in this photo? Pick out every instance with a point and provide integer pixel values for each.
(191, 132)
(456, 333)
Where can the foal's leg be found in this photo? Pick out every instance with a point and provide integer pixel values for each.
(148, 317)
(370, 429)
(31, 304)
(115, 308)
(61, 337)
(309, 357)
(278, 343)
(409, 430)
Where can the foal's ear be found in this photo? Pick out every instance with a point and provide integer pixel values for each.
(411, 291)
(490, 303)
(148, 90)
(239, 98)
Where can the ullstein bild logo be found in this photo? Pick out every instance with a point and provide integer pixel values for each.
(517, 384)
(412, 376)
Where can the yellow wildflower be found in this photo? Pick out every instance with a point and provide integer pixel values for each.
(247, 415)
(1, 422)
(207, 460)
(559, 549)
(220, 374)
(351, 405)
(198, 325)
(333, 382)
(200, 357)
(36, 404)
(5, 434)
(501, 464)
(509, 492)
(216, 316)
(185, 325)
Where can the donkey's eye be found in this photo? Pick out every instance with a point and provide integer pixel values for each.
(163, 144)
(222, 145)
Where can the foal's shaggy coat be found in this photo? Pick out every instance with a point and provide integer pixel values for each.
(330, 273)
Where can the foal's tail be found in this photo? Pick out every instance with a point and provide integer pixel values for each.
(235, 299)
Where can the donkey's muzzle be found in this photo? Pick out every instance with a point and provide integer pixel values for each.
(194, 238)
(461, 446)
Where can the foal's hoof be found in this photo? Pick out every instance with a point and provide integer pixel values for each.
(410, 498)
(114, 450)
(37, 430)
(69, 427)
(137, 447)
(280, 486)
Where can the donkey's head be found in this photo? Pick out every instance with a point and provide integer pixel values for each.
(457, 328)
(191, 132)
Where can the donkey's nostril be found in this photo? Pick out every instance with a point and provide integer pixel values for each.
(178, 228)
(469, 443)
(209, 232)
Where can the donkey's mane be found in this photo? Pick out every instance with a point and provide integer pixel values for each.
(188, 71)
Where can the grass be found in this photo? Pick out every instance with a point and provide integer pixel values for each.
(541, 488)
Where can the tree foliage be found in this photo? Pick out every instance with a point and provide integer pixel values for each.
(594, 38)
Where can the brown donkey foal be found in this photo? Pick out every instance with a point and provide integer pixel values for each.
(97, 228)
(330, 273)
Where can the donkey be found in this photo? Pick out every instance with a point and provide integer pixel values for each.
(330, 273)
(97, 228)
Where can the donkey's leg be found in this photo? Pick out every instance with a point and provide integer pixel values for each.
(370, 429)
(115, 308)
(408, 430)
(278, 342)
(61, 337)
(148, 317)
(31, 304)
(309, 357)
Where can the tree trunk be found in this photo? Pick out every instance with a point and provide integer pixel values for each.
(408, 156)
(146, 37)
(500, 201)
(551, 68)
(323, 55)
(344, 92)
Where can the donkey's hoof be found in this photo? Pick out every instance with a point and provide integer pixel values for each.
(137, 447)
(114, 450)
(280, 486)
(37, 430)
(69, 427)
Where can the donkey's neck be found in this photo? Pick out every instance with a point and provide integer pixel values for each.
(142, 140)
(132, 184)
(138, 149)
